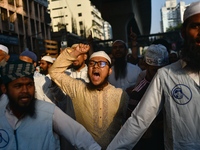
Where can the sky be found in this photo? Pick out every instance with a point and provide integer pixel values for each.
(156, 6)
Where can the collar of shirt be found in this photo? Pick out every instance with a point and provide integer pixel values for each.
(12, 119)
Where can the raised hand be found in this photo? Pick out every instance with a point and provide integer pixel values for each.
(79, 49)
(133, 36)
(90, 38)
(83, 48)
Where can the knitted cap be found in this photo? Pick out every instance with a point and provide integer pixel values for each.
(47, 58)
(4, 48)
(101, 54)
(192, 9)
(16, 69)
(156, 55)
(29, 54)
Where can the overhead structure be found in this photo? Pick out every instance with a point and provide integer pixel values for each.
(124, 14)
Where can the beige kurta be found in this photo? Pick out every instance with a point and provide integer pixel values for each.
(101, 112)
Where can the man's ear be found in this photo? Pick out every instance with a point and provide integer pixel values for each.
(110, 71)
(7, 57)
(49, 65)
(3, 88)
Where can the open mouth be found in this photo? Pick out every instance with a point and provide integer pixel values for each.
(95, 75)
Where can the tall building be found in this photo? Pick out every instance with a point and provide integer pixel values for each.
(172, 14)
(79, 17)
(24, 24)
(107, 31)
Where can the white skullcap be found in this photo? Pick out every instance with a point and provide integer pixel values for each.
(101, 54)
(121, 42)
(192, 9)
(156, 55)
(173, 52)
(47, 58)
(4, 48)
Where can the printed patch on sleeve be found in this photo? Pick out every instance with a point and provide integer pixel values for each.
(4, 138)
(181, 94)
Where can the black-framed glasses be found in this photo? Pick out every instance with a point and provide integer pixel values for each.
(100, 64)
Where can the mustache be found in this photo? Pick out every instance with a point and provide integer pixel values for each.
(25, 96)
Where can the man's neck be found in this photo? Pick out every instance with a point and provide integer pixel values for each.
(17, 113)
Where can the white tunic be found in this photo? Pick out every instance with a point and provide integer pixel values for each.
(176, 90)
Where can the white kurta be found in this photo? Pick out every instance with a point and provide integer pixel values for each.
(130, 80)
(176, 90)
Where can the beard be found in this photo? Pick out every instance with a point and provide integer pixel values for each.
(120, 68)
(3, 63)
(76, 67)
(44, 72)
(26, 110)
(191, 55)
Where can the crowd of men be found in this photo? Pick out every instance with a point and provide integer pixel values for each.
(88, 100)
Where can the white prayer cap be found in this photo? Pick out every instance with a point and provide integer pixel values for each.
(192, 9)
(47, 58)
(4, 48)
(156, 55)
(173, 52)
(101, 54)
(121, 42)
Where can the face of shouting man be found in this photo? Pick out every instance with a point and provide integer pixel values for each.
(98, 72)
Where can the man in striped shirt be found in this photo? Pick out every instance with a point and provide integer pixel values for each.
(155, 56)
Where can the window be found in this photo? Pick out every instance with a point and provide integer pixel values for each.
(81, 23)
(81, 32)
(79, 5)
(11, 2)
(57, 8)
(4, 16)
(58, 17)
(79, 14)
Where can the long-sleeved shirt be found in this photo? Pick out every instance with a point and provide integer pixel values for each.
(62, 125)
(101, 112)
(176, 89)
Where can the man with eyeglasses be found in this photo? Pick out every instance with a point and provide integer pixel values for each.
(99, 106)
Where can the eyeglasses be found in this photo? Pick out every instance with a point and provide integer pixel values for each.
(100, 64)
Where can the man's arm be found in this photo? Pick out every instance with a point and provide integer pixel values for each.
(141, 118)
(74, 132)
(63, 61)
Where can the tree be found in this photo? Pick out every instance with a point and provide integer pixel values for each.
(176, 28)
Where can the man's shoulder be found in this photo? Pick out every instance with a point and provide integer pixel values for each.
(131, 67)
(174, 67)
(44, 106)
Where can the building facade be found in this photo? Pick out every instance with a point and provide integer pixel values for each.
(24, 24)
(172, 14)
(79, 17)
